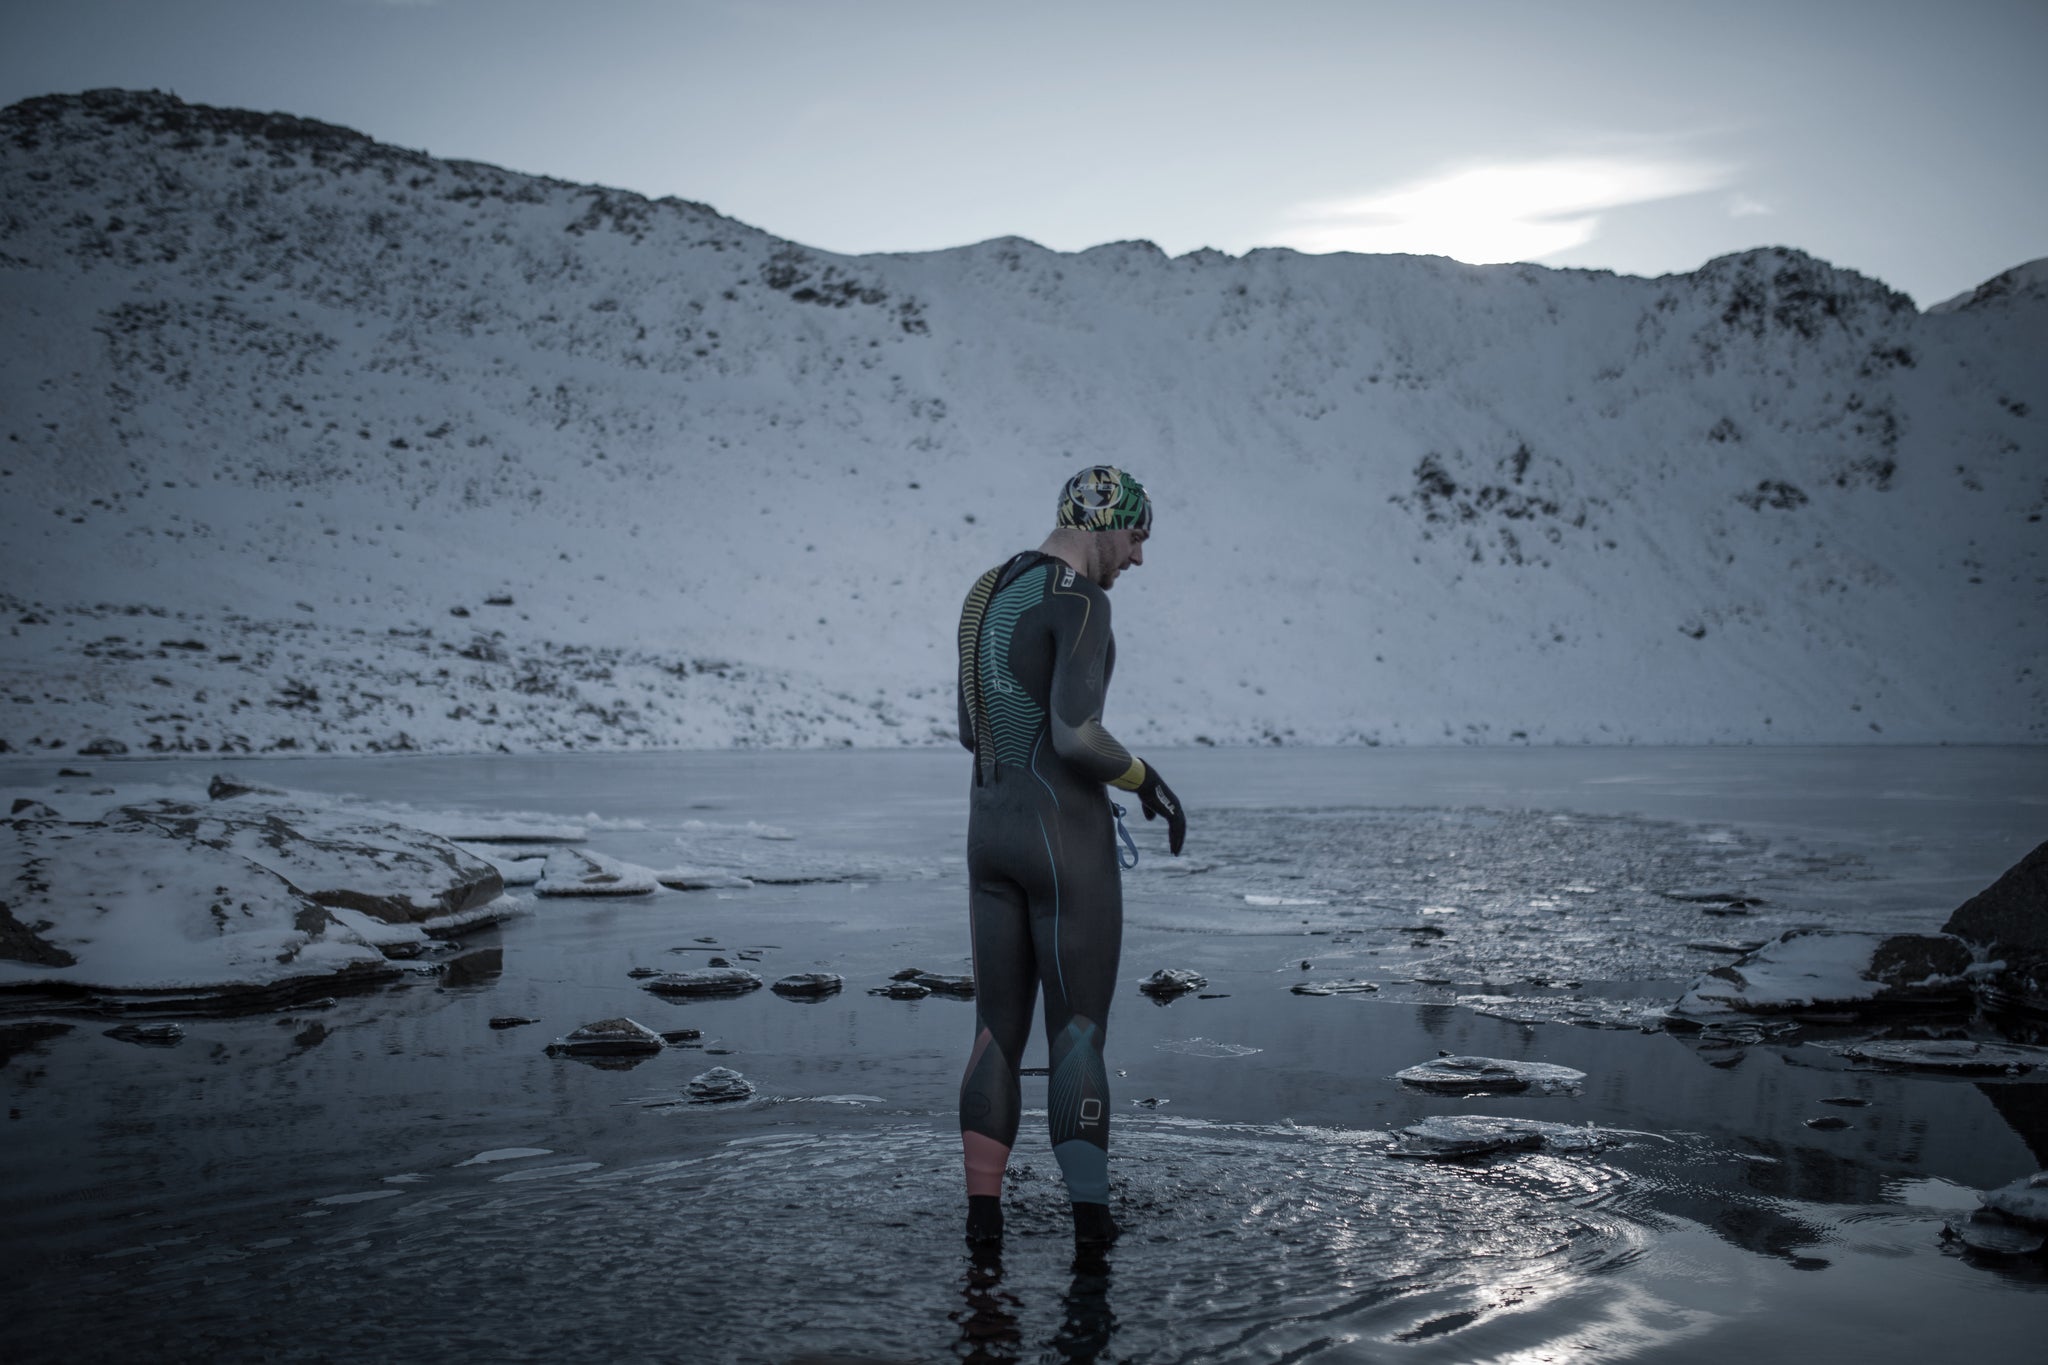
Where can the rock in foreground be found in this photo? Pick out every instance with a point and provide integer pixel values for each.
(608, 1038)
(1492, 1075)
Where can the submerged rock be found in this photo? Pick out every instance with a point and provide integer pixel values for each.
(1833, 971)
(155, 1035)
(504, 1021)
(707, 981)
(1992, 1235)
(1170, 983)
(809, 985)
(579, 872)
(719, 1085)
(1492, 1075)
(903, 990)
(938, 983)
(1961, 1056)
(608, 1038)
(1449, 1137)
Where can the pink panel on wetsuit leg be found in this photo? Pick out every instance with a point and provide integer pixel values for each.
(986, 1159)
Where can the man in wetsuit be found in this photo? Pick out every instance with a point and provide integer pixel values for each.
(1045, 896)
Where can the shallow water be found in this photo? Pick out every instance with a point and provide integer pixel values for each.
(307, 1186)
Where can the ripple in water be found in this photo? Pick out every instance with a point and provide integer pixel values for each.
(1245, 1242)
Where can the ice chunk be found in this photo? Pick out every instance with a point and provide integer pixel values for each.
(1452, 1136)
(505, 1154)
(579, 872)
(1822, 969)
(1170, 982)
(608, 1038)
(809, 985)
(2025, 1199)
(1962, 1056)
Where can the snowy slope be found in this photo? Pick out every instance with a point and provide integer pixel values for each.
(284, 410)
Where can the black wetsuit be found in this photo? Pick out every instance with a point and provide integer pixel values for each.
(1045, 896)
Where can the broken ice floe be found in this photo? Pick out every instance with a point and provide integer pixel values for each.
(1267, 902)
(686, 878)
(1959, 1056)
(1334, 987)
(1492, 1075)
(1169, 983)
(497, 1154)
(719, 1085)
(580, 872)
(1205, 1047)
(706, 981)
(1550, 1009)
(1825, 969)
(1448, 1137)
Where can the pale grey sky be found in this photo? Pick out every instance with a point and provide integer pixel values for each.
(1900, 139)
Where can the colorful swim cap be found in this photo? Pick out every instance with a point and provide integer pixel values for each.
(1104, 498)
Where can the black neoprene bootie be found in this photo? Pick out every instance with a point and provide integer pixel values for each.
(984, 1219)
(1093, 1227)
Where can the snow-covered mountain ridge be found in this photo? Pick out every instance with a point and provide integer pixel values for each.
(311, 442)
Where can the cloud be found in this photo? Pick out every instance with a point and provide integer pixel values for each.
(1498, 211)
(1742, 206)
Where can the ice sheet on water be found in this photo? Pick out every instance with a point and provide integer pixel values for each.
(1205, 1047)
(1516, 893)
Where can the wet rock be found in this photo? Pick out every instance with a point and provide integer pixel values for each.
(1991, 1235)
(608, 1038)
(1169, 983)
(2024, 1200)
(1958, 1056)
(2009, 918)
(223, 788)
(511, 1021)
(154, 1035)
(578, 872)
(1845, 1101)
(719, 1085)
(1448, 1137)
(938, 983)
(710, 981)
(1832, 971)
(27, 808)
(642, 973)
(809, 985)
(678, 1037)
(718, 962)
(1829, 1123)
(1332, 988)
(1492, 1075)
(2007, 922)
(903, 990)
(74, 772)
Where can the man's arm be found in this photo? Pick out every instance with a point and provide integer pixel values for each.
(1080, 616)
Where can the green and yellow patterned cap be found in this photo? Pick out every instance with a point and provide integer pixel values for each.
(1104, 498)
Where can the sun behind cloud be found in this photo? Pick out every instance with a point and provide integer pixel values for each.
(1496, 211)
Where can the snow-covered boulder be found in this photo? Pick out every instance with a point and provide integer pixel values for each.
(385, 870)
(1829, 971)
(129, 906)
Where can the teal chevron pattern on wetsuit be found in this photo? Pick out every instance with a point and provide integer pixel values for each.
(1045, 899)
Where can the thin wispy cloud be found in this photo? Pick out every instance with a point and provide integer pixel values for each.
(1500, 211)
(1742, 206)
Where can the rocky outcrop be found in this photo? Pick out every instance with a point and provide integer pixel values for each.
(2009, 918)
(174, 906)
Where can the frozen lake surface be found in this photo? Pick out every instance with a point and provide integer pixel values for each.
(389, 1175)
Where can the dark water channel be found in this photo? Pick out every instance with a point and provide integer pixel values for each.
(388, 1176)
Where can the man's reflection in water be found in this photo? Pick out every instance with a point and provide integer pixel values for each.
(989, 1330)
(1085, 1332)
(988, 1323)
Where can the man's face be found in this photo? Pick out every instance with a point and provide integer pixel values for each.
(1120, 550)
